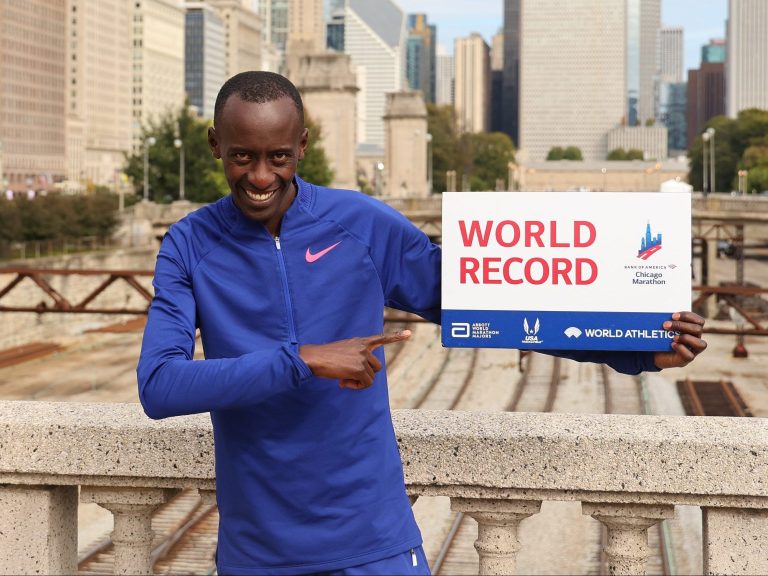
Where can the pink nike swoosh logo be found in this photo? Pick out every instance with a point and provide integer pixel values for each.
(313, 257)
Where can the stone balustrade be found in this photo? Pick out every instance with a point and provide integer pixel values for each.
(628, 472)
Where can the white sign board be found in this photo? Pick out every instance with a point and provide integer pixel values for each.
(564, 270)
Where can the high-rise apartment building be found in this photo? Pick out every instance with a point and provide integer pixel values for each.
(242, 40)
(444, 77)
(472, 98)
(674, 115)
(643, 23)
(99, 89)
(706, 96)
(671, 52)
(158, 62)
(572, 86)
(714, 52)
(205, 64)
(510, 81)
(497, 82)
(747, 56)
(374, 37)
(420, 57)
(32, 92)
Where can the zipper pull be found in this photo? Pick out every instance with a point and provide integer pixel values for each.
(414, 560)
(277, 242)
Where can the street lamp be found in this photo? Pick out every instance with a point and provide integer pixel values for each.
(704, 141)
(177, 143)
(429, 163)
(605, 177)
(149, 142)
(743, 181)
(712, 180)
(378, 178)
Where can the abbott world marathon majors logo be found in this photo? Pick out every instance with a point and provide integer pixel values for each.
(531, 334)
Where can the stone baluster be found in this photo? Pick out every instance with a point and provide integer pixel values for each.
(132, 510)
(38, 529)
(627, 548)
(735, 540)
(497, 523)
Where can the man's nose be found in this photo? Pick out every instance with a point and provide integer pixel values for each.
(260, 176)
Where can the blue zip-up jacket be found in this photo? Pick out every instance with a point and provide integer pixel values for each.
(308, 474)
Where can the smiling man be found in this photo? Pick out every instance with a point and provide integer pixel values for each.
(287, 283)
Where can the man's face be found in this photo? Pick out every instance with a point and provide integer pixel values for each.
(260, 146)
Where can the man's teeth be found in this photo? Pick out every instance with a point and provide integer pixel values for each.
(259, 197)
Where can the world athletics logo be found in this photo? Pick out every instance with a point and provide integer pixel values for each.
(649, 244)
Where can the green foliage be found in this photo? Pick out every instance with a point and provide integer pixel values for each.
(487, 157)
(482, 158)
(201, 183)
(555, 153)
(314, 168)
(740, 143)
(55, 217)
(569, 153)
(441, 123)
(650, 122)
(621, 154)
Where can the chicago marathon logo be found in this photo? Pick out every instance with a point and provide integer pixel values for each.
(531, 333)
(649, 244)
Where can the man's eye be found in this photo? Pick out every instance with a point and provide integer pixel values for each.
(280, 156)
(240, 156)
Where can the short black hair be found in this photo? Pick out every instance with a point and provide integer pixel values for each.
(260, 87)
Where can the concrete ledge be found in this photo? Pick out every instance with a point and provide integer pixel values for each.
(711, 461)
(613, 453)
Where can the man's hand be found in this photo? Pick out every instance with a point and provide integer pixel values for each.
(685, 346)
(350, 361)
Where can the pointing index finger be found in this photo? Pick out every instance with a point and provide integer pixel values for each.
(373, 342)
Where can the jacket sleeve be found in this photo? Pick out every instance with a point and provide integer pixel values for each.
(171, 383)
(409, 266)
(624, 362)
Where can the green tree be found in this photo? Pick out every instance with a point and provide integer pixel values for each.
(650, 122)
(617, 154)
(555, 153)
(635, 154)
(737, 146)
(314, 168)
(487, 158)
(441, 124)
(200, 182)
(572, 153)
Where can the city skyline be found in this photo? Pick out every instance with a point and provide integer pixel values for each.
(455, 19)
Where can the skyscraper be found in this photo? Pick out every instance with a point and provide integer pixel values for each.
(99, 89)
(444, 77)
(205, 62)
(158, 62)
(671, 52)
(32, 89)
(572, 86)
(335, 30)
(747, 60)
(497, 82)
(472, 97)
(374, 36)
(706, 96)
(643, 22)
(510, 83)
(421, 55)
(242, 29)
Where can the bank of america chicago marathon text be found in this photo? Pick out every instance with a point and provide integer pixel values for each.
(576, 235)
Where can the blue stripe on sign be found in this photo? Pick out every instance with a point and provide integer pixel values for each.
(555, 330)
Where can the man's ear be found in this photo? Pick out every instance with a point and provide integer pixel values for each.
(213, 142)
(303, 143)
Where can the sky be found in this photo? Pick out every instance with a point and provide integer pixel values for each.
(700, 19)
